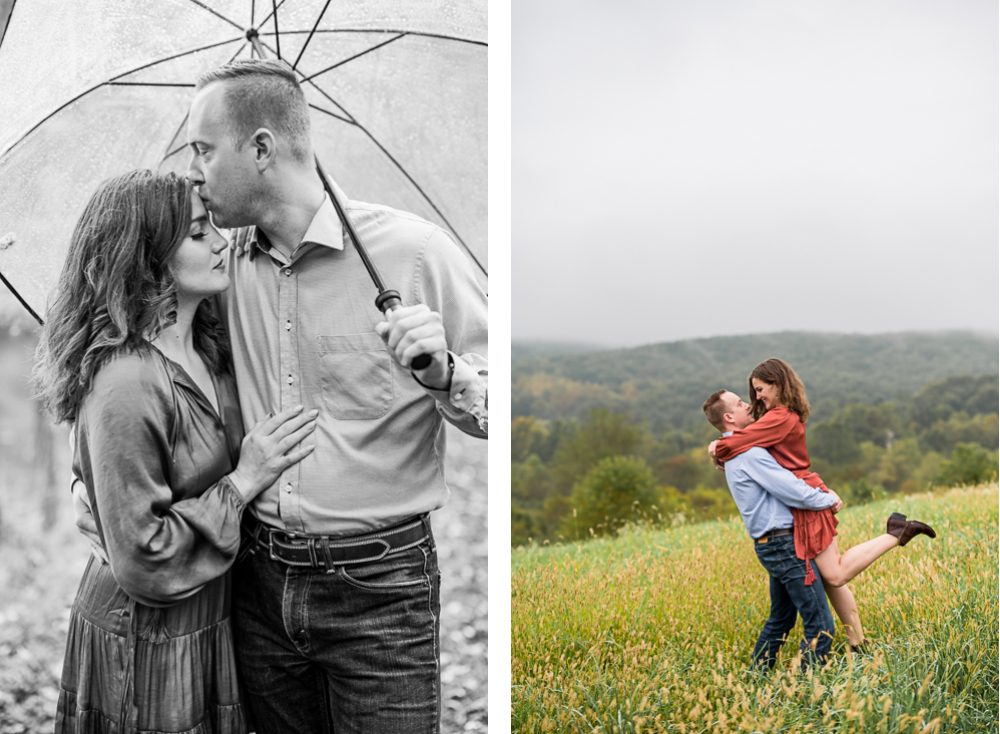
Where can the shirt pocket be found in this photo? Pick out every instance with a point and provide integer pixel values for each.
(355, 375)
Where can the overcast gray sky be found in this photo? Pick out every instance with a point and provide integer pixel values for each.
(685, 169)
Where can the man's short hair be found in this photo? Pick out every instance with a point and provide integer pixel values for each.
(715, 408)
(264, 93)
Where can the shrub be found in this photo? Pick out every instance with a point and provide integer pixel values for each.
(617, 490)
(969, 464)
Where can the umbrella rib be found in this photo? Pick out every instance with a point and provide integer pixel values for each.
(148, 84)
(177, 56)
(402, 31)
(269, 16)
(172, 153)
(277, 35)
(409, 178)
(6, 26)
(22, 301)
(336, 117)
(351, 58)
(176, 133)
(315, 26)
(217, 14)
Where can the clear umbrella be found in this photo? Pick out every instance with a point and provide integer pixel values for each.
(93, 88)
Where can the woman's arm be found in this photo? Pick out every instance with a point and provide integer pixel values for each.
(772, 428)
(160, 551)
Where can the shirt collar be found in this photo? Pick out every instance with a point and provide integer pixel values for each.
(324, 229)
(727, 433)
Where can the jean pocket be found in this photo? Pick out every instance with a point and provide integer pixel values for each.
(398, 571)
(356, 376)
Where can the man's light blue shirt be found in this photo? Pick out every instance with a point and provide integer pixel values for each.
(763, 491)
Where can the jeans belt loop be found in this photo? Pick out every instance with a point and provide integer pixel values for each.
(311, 547)
(324, 542)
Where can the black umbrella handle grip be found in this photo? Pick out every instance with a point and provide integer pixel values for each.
(385, 302)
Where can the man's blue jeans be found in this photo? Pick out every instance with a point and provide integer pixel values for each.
(790, 596)
(355, 650)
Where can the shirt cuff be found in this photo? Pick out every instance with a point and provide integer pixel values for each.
(467, 395)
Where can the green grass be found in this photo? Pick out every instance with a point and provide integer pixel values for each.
(652, 631)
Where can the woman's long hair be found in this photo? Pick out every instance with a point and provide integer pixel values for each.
(791, 391)
(115, 291)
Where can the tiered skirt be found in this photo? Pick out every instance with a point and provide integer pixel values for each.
(169, 669)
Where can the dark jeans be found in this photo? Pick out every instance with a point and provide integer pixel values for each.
(790, 596)
(355, 650)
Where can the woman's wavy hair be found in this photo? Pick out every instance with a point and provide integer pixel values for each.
(116, 291)
(791, 391)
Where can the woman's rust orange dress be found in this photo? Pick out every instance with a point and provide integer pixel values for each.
(781, 432)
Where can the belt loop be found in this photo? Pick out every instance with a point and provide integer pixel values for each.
(324, 543)
(428, 533)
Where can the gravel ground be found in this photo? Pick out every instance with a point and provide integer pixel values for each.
(460, 530)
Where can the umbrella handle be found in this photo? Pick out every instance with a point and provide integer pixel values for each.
(387, 301)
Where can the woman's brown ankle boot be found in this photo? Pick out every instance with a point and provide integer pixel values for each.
(899, 527)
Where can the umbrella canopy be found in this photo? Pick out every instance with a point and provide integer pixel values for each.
(94, 88)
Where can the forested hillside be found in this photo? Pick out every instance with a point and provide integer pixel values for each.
(591, 450)
(666, 384)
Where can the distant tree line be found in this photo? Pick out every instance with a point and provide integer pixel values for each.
(664, 385)
(573, 478)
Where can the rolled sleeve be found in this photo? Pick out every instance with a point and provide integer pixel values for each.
(468, 393)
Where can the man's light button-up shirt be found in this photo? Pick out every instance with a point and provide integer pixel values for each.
(379, 440)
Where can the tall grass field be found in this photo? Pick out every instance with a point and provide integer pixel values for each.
(652, 631)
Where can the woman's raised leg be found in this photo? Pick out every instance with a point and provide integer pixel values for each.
(847, 609)
(838, 569)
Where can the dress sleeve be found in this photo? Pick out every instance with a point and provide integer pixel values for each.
(447, 284)
(772, 428)
(160, 551)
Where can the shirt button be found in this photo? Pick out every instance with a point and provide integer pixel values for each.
(288, 487)
(288, 271)
(290, 380)
(288, 326)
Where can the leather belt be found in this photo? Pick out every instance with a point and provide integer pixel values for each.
(774, 534)
(326, 551)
